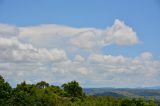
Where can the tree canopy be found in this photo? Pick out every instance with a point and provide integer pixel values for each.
(69, 94)
(73, 89)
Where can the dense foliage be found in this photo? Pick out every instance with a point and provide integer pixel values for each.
(69, 94)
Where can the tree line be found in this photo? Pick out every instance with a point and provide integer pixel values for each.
(69, 94)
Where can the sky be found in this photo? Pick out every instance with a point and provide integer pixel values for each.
(99, 43)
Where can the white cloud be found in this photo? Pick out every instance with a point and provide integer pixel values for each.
(13, 50)
(83, 71)
(116, 70)
(119, 34)
(79, 58)
(84, 38)
(8, 30)
(109, 59)
(146, 56)
(45, 52)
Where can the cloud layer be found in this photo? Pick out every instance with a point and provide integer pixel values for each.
(85, 38)
(57, 53)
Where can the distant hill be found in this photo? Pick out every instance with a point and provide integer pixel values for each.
(154, 87)
(125, 92)
(114, 94)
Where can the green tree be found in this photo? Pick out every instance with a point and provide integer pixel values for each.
(73, 89)
(42, 84)
(137, 102)
(1, 78)
(5, 91)
(21, 98)
(24, 87)
(42, 94)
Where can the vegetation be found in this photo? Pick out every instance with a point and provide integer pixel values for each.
(69, 94)
(125, 92)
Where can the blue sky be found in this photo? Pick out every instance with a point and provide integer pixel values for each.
(29, 16)
(142, 15)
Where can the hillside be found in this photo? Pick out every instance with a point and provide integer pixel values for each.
(124, 92)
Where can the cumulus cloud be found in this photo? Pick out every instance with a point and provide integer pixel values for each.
(109, 59)
(44, 52)
(123, 71)
(86, 38)
(95, 71)
(146, 56)
(13, 50)
(79, 58)
(120, 34)
(8, 30)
